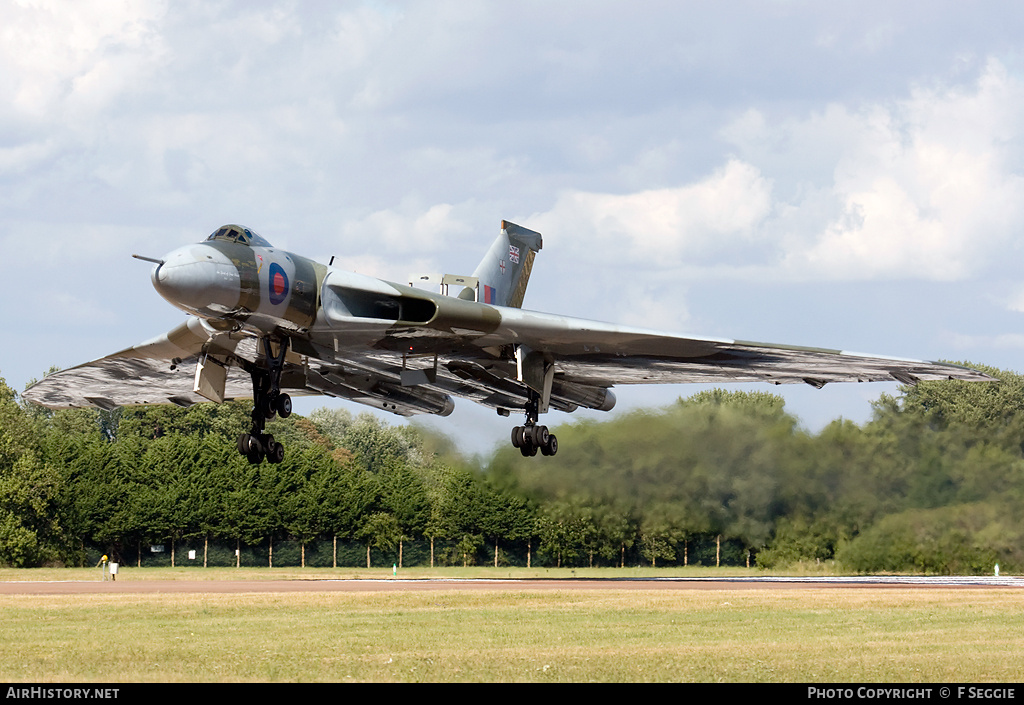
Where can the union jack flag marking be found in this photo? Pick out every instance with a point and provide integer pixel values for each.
(513, 254)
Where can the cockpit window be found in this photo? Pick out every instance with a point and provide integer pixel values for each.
(239, 234)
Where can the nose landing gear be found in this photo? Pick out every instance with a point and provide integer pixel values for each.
(257, 446)
(268, 401)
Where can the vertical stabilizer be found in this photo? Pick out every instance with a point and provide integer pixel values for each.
(505, 269)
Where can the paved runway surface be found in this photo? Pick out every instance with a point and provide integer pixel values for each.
(324, 585)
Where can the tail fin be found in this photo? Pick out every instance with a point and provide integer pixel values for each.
(505, 270)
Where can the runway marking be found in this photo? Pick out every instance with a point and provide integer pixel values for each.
(943, 580)
(376, 584)
(935, 580)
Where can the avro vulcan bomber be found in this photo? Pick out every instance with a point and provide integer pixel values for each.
(267, 324)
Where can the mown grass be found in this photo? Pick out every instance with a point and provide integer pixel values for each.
(614, 635)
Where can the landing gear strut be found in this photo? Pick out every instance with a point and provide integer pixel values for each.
(268, 402)
(532, 437)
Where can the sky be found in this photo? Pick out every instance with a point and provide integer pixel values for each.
(842, 174)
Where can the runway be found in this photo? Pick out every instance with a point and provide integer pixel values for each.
(83, 587)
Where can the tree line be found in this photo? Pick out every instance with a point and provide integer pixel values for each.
(932, 482)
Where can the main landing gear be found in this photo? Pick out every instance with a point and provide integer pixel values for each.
(531, 437)
(268, 401)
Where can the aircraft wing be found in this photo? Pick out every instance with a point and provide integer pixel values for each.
(601, 354)
(158, 371)
(582, 359)
(574, 362)
(163, 370)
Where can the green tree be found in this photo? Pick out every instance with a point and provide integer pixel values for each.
(29, 532)
(380, 531)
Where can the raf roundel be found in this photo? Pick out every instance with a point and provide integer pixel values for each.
(278, 284)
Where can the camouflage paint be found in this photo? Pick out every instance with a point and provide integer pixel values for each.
(297, 287)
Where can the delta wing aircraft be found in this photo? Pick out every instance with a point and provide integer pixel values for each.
(267, 324)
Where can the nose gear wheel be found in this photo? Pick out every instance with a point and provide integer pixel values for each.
(268, 401)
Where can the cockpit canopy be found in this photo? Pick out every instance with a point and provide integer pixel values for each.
(239, 234)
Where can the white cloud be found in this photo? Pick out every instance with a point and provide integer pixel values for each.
(650, 307)
(1004, 341)
(25, 156)
(925, 186)
(392, 231)
(79, 311)
(1012, 299)
(86, 51)
(428, 229)
(665, 227)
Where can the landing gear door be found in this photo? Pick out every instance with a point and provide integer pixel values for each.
(536, 372)
(211, 378)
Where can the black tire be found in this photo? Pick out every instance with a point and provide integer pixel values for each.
(275, 452)
(243, 444)
(283, 405)
(540, 436)
(255, 453)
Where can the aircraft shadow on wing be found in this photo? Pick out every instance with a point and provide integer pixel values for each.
(267, 324)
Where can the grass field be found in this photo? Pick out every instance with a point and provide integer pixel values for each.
(769, 634)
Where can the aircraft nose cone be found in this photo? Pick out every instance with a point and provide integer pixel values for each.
(198, 281)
